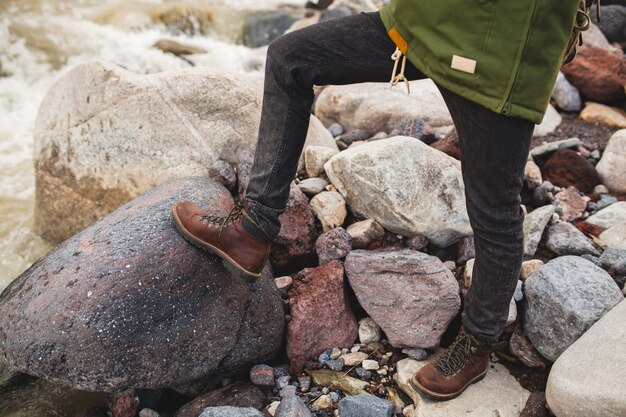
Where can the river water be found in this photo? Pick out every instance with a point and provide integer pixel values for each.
(40, 40)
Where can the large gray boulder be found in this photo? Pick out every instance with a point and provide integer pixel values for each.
(376, 107)
(128, 303)
(104, 135)
(412, 296)
(589, 378)
(405, 185)
(564, 298)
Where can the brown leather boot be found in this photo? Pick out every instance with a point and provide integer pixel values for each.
(466, 361)
(225, 236)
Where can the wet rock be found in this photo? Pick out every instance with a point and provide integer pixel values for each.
(606, 115)
(416, 128)
(365, 405)
(587, 384)
(612, 166)
(375, 107)
(565, 95)
(315, 157)
(373, 178)
(294, 247)
(569, 204)
(238, 394)
(330, 209)
(177, 48)
(312, 186)
(609, 216)
(505, 395)
(565, 239)
(321, 316)
(365, 232)
(551, 120)
(565, 167)
(534, 224)
(334, 244)
(550, 147)
(559, 309)
(333, 379)
(410, 295)
(144, 296)
(615, 235)
(292, 407)
(227, 411)
(599, 74)
(614, 259)
(521, 347)
(261, 28)
(449, 145)
(369, 331)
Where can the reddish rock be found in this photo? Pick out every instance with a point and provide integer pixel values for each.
(599, 74)
(418, 243)
(566, 168)
(294, 248)
(238, 394)
(588, 229)
(334, 244)
(412, 296)
(124, 404)
(569, 204)
(128, 302)
(321, 316)
(449, 145)
(262, 376)
(466, 250)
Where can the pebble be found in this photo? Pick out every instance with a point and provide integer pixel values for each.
(283, 283)
(518, 295)
(365, 405)
(600, 189)
(416, 353)
(605, 200)
(355, 348)
(353, 136)
(288, 391)
(362, 373)
(312, 186)
(271, 409)
(334, 396)
(418, 243)
(334, 244)
(324, 356)
(304, 382)
(335, 364)
(335, 353)
(364, 232)
(614, 259)
(451, 265)
(370, 365)
(335, 129)
(292, 407)
(351, 359)
(262, 376)
(323, 402)
(466, 250)
(282, 381)
(382, 372)
(529, 267)
(330, 208)
(315, 157)
(467, 273)
(147, 412)
(369, 331)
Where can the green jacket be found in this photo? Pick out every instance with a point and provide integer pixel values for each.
(502, 54)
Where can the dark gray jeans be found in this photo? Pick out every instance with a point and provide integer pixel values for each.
(494, 149)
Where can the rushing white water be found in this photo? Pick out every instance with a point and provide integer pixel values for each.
(42, 39)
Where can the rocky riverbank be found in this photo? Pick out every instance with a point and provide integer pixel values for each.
(367, 278)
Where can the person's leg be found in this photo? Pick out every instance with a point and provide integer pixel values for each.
(347, 50)
(494, 149)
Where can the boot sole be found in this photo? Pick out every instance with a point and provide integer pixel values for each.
(228, 262)
(437, 396)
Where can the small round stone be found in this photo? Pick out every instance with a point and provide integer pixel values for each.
(370, 365)
(262, 376)
(362, 373)
(283, 283)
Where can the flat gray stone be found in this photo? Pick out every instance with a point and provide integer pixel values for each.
(534, 224)
(231, 412)
(564, 298)
(589, 378)
(292, 407)
(609, 216)
(549, 147)
(565, 239)
(365, 405)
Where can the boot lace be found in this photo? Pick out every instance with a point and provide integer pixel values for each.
(457, 354)
(234, 214)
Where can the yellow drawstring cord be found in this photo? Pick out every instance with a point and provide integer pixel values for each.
(395, 79)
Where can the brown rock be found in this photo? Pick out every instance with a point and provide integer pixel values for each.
(334, 244)
(128, 303)
(599, 74)
(536, 406)
(411, 295)
(588, 229)
(449, 145)
(321, 316)
(569, 204)
(565, 167)
(599, 113)
(238, 394)
(466, 250)
(294, 247)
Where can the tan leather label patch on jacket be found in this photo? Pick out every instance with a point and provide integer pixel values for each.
(463, 64)
(398, 40)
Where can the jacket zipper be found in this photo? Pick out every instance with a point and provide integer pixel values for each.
(507, 104)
